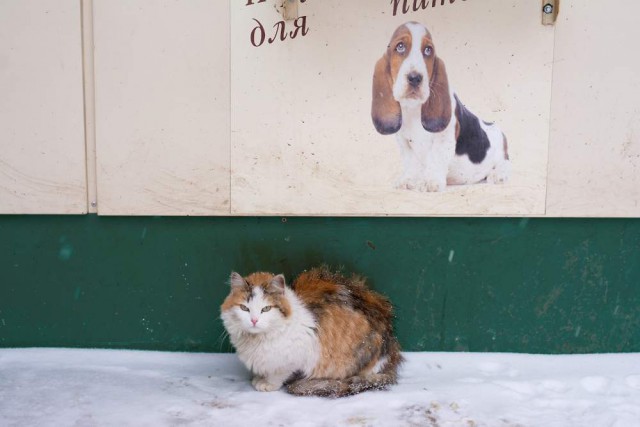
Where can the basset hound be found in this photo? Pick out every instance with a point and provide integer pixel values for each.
(440, 140)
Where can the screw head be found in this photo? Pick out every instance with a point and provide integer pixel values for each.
(548, 9)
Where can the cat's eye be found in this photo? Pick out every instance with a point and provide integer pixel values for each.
(267, 308)
(244, 307)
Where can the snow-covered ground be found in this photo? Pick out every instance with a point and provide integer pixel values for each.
(51, 387)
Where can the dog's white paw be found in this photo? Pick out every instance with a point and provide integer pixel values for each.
(433, 185)
(262, 384)
(405, 183)
(499, 174)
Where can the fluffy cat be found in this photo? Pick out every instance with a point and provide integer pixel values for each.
(327, 335)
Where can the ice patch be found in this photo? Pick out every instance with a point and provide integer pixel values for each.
(489, 368)
(633, 381)
(596, 384)
(553, 385)
(519, 387)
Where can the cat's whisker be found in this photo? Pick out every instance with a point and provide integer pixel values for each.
(222, 338)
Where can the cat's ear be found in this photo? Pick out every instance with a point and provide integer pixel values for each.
(277, 284)
(237, 281)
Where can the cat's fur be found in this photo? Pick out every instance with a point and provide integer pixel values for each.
(327, 335)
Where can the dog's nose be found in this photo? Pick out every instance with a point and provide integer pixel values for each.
(414, 79)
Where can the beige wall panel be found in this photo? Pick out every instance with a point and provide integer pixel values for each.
(42, 153)
(302, 137)
(162, 106)
(594, 158)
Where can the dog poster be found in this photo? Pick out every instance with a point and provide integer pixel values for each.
(379, 107)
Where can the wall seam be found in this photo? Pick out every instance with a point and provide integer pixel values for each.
(88, 81)
(549, 140)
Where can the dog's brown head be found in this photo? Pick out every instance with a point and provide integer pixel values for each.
(409, 74)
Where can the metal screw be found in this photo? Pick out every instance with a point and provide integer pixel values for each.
(548, 9)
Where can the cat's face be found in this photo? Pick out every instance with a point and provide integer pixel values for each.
(256, 303)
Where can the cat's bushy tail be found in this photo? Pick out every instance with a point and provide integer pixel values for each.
(340, 388)
(348, 386)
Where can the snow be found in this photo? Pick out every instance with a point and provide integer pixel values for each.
(60, 387)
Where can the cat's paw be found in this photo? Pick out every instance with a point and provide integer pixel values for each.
(255, 380)
(262, 384)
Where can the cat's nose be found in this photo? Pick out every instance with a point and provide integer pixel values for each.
(254, 321)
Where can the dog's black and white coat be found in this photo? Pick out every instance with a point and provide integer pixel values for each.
(440, 140)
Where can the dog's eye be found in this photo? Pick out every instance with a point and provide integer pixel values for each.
(428, 51)
(244, 307)
(267, 308)
(401, 48)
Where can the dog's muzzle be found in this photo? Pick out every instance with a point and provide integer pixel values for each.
(414, 79)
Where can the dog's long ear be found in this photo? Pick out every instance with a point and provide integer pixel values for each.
(436, 112)
(385, 110)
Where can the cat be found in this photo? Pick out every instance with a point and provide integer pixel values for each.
(327, 335)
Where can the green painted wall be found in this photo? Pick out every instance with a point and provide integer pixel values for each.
(516, 285)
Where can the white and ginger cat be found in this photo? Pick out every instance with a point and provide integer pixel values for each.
(327, 335)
